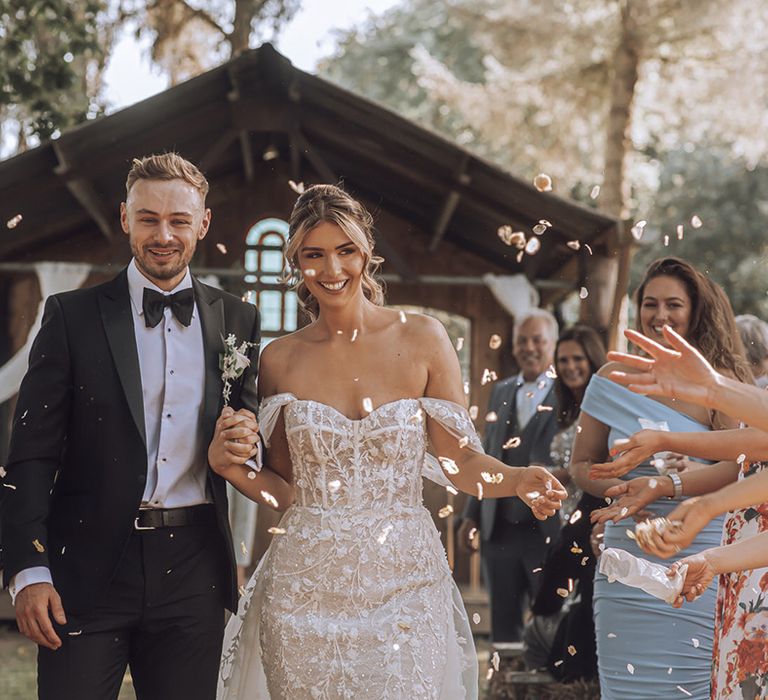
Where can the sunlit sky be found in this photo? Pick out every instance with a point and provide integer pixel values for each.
(308, 38)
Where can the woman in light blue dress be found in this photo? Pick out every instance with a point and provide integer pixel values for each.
(646, 648)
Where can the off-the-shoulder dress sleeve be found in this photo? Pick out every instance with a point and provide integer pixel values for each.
(455, 419)
(269, 412)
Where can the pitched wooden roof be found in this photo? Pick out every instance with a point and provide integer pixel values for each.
(260, 106)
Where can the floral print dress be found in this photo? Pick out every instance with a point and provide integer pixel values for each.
(740, 653)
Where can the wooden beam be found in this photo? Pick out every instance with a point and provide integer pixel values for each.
(83, 191)
(295, 156)
(246, 148)
(450, 203)
(217, 148)
(318, 162)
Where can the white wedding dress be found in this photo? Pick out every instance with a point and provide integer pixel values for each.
(354, 598)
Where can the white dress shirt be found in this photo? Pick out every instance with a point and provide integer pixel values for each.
(172, 366)
(529, 396)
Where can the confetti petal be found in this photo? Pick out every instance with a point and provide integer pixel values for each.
(269, 498)
(221, 248)
(533, 246)
(297, 187)
(543, 182)
(14, 221)
(495, 342)
(573, 245)
(696, 222)
(276, 531)
(583, 293)
(445, 511)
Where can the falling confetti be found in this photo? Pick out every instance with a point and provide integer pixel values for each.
(511, 443)
(310, 272)
(740, 459)
(75, 634)
(611, 635)
(479, 491)
(334, 486)
(638, 229)
(653, 483)
(221, 248)
(244, 549)
(559, 662)
(489, 674)
(543, 182)
(2, 472)
(396, 646)
(696, 222)
(473, 412)
(666, 240)
(536, 570)
(276, 531)
(519, 256)
(466, 388)
(39, 547)
(270, 153)
(533, 246)
(452, 490)
(573, 245)
(541, 408)
(495, 660)
(495, 342)
(539, 229)
(631, 668)
(448, 464)
(382, 538)
(251, 475)
(459, 344)
(403, 319)
(354, 336)
(445, 511)
(679, 232)
(551, 373)
(297, 187)
(510, 237)
(10, 486)
(695, 642)
(488, 376)
(476, 618)
(404, 626)
(588, 248)
(562, 592)
(269, 498)
(572, 650)
(583, 293)
(683, 690)
(595, 193)
(491, 417)
(575, 517)
(463, 441)
(367, 404)
(13, 222)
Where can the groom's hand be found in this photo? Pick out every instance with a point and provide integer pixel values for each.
(234, 439)
(33, 604)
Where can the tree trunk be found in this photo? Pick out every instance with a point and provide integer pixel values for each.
(603, 272)
(245, 10)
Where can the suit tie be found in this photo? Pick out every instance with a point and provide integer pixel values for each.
(182, 303)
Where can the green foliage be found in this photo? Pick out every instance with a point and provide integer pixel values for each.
(731, 199)
(48, 50)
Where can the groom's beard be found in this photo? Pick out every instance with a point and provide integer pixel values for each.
(159, 271)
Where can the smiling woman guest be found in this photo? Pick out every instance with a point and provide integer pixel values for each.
(659, 647)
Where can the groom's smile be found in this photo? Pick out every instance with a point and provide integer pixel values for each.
(164, 220)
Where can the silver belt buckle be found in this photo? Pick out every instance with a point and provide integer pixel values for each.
(136, 525)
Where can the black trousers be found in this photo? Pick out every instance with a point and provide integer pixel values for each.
(162, 615)
(509, 561)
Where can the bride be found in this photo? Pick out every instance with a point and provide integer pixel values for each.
(354, 598)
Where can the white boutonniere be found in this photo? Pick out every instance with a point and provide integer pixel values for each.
(233, 362)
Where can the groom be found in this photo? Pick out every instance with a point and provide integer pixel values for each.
(115, 531)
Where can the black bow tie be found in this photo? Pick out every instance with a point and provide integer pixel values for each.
(182, 304)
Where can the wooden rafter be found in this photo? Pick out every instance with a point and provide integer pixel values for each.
(83, 191)
(450, 203)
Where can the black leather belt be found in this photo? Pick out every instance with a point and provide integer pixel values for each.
(153, 518)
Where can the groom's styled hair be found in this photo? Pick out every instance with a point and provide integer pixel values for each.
(166, 166)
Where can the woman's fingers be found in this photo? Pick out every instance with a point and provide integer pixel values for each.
(643, 363)
(618, 490)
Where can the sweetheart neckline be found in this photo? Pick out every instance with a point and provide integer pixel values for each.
(344, 415)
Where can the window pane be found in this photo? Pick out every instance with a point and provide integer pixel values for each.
(271, 261)
(270, 308)
(251, 260)
(291, 311)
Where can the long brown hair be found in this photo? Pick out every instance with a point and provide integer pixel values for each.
(712, 328)
(331, 204)
(568, 405)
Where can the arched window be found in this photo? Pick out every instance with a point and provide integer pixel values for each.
(264, 257)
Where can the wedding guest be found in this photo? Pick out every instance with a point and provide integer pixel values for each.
(579, 353)
(657, 658)
(740, 637)
(754, 337)
(513, 543)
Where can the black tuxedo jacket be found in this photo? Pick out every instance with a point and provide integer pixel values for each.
(78, 458)
(534, 445)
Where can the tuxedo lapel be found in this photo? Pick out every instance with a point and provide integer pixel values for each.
(211, 309)
(117, 317)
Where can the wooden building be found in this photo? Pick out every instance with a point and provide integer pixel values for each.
(253, 125)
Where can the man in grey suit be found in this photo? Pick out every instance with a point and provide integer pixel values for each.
(514, 543)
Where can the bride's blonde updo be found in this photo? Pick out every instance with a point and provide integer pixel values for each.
(331, 204)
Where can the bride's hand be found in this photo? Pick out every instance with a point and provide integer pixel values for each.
(540, 491)
(234, 440)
